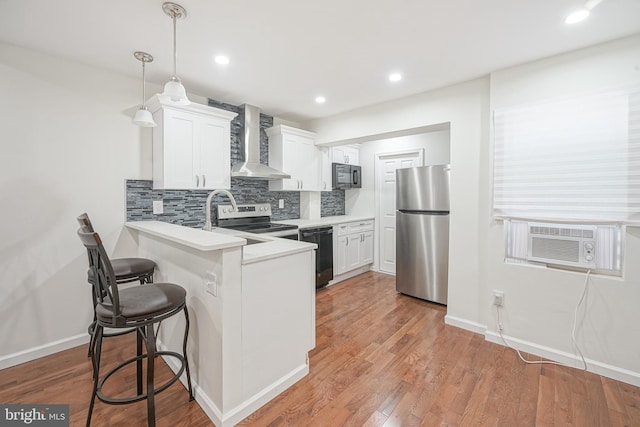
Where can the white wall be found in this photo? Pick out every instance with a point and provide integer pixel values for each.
(68, 145)
(465, 108)
(540, 303)
(436, 151)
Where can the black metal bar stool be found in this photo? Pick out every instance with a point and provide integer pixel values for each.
(126, 270)
(138, 307)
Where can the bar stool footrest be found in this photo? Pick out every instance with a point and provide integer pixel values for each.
(138, 398)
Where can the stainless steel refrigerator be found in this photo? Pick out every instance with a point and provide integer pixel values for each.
(422, 232)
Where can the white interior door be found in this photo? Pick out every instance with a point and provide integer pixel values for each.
(386, 165)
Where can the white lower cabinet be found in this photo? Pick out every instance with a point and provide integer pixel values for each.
(354, 246)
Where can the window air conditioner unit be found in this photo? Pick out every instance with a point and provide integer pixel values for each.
(562, 244)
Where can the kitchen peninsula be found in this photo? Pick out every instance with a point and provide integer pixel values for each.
(252, 305)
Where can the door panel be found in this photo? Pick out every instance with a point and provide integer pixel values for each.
(213, 154)
(180, 151)
(423, 256)
(386, 188)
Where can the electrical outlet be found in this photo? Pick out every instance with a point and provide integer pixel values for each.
(211, 283)
(158, 207)
(498, 298)
(281, 203)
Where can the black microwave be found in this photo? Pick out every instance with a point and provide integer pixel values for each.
(346, 176)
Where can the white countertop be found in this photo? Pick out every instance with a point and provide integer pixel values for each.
(268, 248)
(325, 221)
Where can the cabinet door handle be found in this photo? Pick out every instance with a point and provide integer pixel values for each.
(346, 158)
(346, 241)
(301, 184)
(204, 180)
(197, 181)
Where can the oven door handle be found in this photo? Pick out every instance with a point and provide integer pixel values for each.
(316, 232)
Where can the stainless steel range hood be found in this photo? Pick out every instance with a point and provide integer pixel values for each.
(251, 168)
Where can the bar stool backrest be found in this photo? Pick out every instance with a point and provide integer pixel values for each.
(84, 221)
(105, 288)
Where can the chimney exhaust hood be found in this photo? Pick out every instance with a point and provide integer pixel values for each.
(251, 168)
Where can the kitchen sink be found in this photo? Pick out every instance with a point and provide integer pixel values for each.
(251, 241)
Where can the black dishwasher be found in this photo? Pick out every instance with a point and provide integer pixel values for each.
(323, 237)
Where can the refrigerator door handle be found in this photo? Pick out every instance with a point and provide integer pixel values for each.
(413, 212)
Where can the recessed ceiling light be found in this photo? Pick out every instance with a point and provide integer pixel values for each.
(577, 16)
(582, 14)
(320, 99)
(395, 77)
(222, 60)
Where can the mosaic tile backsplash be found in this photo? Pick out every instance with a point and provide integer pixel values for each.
(186, 207)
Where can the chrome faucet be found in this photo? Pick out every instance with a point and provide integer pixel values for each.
(207, 224)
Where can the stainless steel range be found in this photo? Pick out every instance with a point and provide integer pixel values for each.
(254, 218)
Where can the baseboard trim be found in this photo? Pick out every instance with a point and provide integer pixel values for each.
(593, 366)
(43, 350)
(468, 325)
(349, 274)
(568, 359)
(244, 409)
(249, 406)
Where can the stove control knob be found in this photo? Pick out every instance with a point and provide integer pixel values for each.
(224, 210)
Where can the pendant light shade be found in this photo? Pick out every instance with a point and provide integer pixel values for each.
(174, 91)
(143, 116)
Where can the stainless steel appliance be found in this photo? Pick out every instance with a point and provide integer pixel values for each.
(346, 176)
(323, 237)
(250, 167)
(254, 218)
(422, 232)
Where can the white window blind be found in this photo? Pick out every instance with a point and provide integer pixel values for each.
(572, 159)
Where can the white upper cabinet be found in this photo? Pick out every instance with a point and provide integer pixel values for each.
(191, 146)
(293, 151)
(325, 169)
(346, 154)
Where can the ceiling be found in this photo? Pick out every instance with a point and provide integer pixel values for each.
(284, 53)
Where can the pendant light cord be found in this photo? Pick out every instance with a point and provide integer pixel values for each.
(144, 97)
(175, 49)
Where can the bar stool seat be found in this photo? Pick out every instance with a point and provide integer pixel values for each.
(130, 270)
(143, 302)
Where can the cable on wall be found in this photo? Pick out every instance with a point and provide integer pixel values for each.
(573, 333)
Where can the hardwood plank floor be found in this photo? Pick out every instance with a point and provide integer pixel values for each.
(381, 359)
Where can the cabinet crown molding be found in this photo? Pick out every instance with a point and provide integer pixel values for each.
(276, 130)
(156, 102)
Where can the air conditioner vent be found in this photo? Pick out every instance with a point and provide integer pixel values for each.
(562, 231)
(562, 244)
(564, 250)
(598, 247)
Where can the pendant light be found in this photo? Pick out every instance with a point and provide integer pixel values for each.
(174, 91)
(143, 116)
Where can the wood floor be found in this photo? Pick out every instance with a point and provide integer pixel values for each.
(381, 359)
